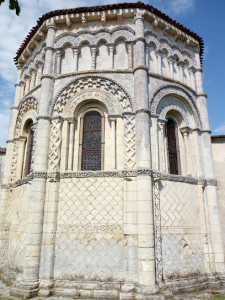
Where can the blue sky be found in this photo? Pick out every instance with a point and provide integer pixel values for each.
(205, 17)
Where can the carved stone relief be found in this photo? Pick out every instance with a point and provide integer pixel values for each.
(156, 106)
(102, 84)
(55, 144)
(129, 137)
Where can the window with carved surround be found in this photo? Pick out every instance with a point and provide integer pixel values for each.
(28, 148)
(173, 147)
(92, 140)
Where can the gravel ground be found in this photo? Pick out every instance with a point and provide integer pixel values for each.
(212, 294)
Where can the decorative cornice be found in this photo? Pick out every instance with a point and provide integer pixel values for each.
(156, 175)
(43, 175)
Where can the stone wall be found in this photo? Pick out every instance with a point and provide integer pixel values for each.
(16, 222)
(218, 149)
(182, 239)
(2, 164)
(90, 241)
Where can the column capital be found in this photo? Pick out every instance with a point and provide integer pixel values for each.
(139, 15)
(70, 120)
(180, 64)
(192, 69)
(51, 24)
(185, 130)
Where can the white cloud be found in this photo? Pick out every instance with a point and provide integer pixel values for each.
(181, 6)
(220, 129)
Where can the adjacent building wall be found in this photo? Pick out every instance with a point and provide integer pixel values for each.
(218, 149)
(2, 164)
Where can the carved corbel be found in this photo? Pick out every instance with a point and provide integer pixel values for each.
(103, 18)
(68, 21)
(83, 20)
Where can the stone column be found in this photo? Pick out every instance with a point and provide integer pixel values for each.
(198, 149)
(93, 57)
(159, 60)
(155, 143)
(198, 74)
(170, 62)
(162, 124)
(51, 209)
(22, 89)
(113, 137)
(65, 146)
(27, 87)
(58, 62)
(111, 53)
(29, 286)
(146, 259)
(33, 77)
(130, 55)
(39, 73)
(21, 157)
(192, 77)
(210, 190)
(71, 143)
(185, 132)
(7, 173)
(18, 88)
(180, 65)
(75, 53)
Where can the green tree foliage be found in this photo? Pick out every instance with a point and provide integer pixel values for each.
(14, 5)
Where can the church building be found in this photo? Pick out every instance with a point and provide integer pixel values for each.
(109, 189)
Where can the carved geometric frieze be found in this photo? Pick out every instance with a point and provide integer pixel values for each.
(55, 144)
(129, 140)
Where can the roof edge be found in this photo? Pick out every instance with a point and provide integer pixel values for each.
(139, 4)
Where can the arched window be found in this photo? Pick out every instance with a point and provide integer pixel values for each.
(173, 147)
(92, 140)
(28, 149)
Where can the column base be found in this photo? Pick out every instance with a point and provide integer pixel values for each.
(45, 288)
(26, 290)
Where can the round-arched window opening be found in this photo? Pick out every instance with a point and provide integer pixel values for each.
(92, 141)
(173, 147)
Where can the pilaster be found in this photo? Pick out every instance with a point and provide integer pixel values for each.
(29, 286)
(146, 259)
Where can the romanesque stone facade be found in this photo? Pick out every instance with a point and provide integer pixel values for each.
(109, 188)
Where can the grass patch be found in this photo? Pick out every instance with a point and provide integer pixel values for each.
(219, 298)
(5, 298)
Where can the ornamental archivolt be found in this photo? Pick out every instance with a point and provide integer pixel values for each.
(89, 83)
(111, 103)
(110, 36)
(28, 104)
(174, 90)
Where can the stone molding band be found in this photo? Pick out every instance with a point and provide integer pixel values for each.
(156, 175)
(44, 118)
(143, 111)
(140, 67)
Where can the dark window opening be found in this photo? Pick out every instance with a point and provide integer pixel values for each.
(172, 147)
(92, 141)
